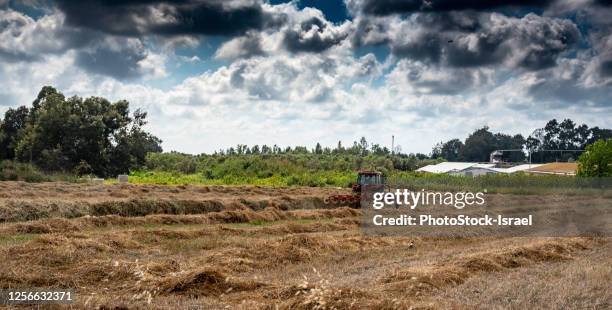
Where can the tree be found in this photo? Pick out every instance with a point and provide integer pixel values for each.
(11, 131)
(436, 151)
(363, 146)
(451, 150)
(597, 160)
(339, 148)
(265, 149)
(80, 135)
(478, 146)
(318, 149)
(507, 142)
(255, 150)
(597, 133)
(566, 135)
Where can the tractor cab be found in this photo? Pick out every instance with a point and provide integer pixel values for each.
(368, 178)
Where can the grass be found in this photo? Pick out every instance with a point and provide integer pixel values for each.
(16, 171)
(9, 240)
(263, 173)
(500, 183)
(517, 183)
(264, 223)
(290, 259)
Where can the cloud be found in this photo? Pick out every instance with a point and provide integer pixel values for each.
(192, 59)
(241, 47)
(371, 30)
(604, 2)
(570, 84)
(419, 79)
(601, 65)
(314, 35)
(24, 39)
(482, 39)
(455, 64)
(301, 31)
(167, 18)
(118, 58)
(388, 7)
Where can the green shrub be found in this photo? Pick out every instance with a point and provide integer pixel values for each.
(597, 160)
(15, 171)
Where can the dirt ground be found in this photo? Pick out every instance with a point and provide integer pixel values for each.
(217, 247)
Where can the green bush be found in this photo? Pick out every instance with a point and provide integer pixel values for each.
(15, 171)
(597, 160)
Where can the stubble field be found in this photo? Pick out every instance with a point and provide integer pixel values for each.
(245, 247)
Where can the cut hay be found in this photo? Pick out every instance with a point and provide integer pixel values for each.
(205, 281)
(417, 280)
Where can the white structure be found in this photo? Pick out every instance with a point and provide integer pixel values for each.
(518, 168)
(122, 178)
(473, 169)
(448, 167)
(97, 181)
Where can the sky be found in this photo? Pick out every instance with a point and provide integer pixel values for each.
(216, 73)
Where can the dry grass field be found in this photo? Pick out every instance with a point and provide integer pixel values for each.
(215, 247)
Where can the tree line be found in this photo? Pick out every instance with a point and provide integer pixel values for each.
(556, 141)
(360, 148)
(76, 135)
(94, 136)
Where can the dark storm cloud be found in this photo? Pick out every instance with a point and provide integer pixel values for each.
(604, 2)
(561, 92)
(571, 82)
(116, 59)
(442, 81)
(605, 68)
(24, 39)
(314, 35)
(183, 17)
(603, 58)
(479, 39)
(388, 7)
(13, 56)
(369, 31)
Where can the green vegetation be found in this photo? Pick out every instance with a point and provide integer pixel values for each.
(60, 138)
(76, 136)
(9, 240)
(597, 160)
(322, 178)
(517, 183)
(15, 171)
(273, 166)
(556, 141)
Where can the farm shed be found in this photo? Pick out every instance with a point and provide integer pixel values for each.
(474, 169)
(448, 167)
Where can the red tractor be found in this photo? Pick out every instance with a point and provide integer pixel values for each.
(373, 179)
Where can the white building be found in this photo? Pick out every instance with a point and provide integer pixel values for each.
(447, 167)
(473, 169)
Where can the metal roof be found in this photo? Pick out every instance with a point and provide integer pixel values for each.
(452, 166)
(446, 167)
(519, 168)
